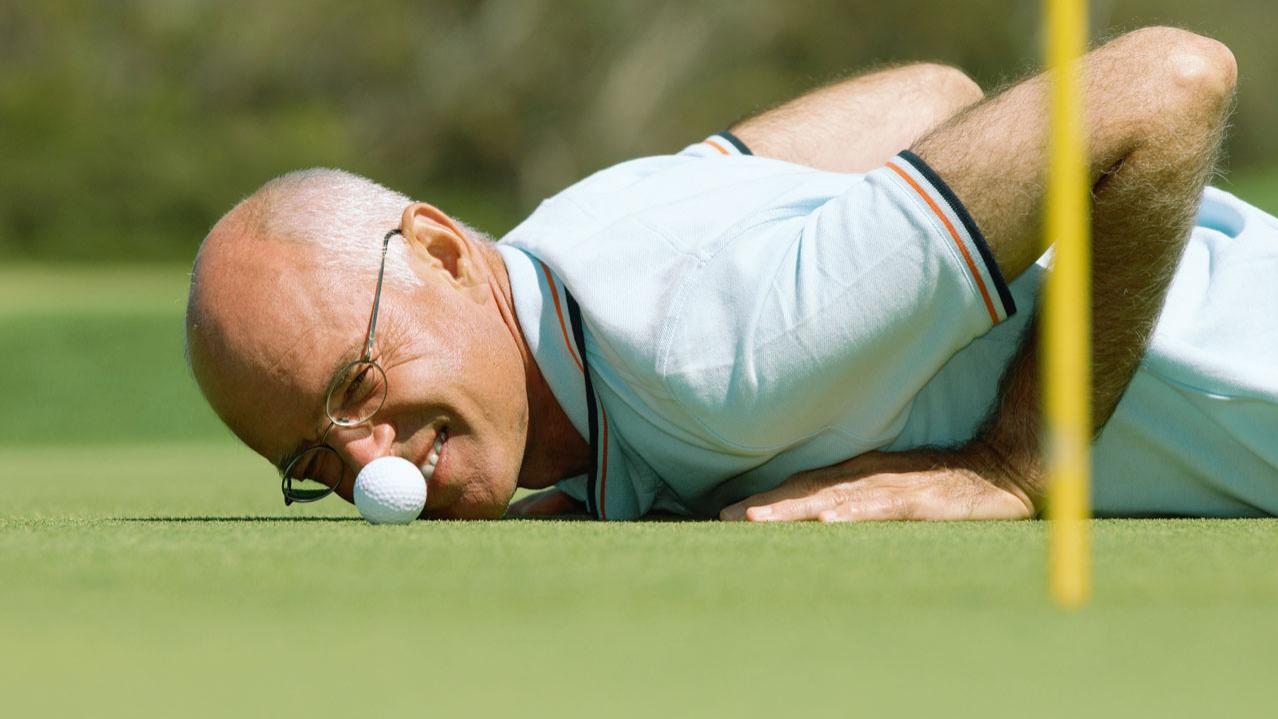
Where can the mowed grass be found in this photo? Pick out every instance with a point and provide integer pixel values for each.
(167, 580)
(148, 567)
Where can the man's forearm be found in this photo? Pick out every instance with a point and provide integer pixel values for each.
(1144, 203)
(1157, 101)
(856, 125)
(1006, 449)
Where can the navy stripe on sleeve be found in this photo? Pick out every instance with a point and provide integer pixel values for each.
(991, 266)
(736, 142)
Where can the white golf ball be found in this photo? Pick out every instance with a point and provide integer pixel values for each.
(390, 490)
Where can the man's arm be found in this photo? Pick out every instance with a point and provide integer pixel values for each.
(1157, 104)
(857, 124)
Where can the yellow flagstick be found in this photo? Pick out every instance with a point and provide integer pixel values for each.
(1066, 338)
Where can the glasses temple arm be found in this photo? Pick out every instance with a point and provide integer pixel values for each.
(377, 295)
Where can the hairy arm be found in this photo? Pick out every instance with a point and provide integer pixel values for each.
(857, 124)
(1157, 104)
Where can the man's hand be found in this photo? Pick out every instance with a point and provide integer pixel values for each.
(923, 484)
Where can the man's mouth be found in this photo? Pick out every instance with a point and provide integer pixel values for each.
(432, 459)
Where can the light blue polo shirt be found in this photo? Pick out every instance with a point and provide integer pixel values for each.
(744, 319)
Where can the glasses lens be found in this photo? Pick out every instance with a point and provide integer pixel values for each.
(360, 390)
(313, 474)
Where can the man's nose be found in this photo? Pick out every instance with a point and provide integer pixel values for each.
(363, 443)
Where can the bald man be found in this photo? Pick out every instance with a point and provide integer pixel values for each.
(782, 322)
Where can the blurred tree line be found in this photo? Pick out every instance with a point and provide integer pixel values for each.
(127, 128)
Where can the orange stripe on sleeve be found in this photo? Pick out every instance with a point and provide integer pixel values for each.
(717, 146)
(967, 257)
(563, 326)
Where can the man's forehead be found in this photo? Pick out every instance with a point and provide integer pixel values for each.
(268, 341)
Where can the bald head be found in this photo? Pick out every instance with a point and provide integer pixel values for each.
(266, 276)
(330, 214)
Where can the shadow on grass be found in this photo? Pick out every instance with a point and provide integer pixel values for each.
(250, 518)
(587, 518)
(245, 518)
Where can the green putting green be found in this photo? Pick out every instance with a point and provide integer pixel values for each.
(170, 579)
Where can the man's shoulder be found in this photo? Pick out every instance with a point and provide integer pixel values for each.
(669, 259)
(626, 239)
(720, 155)
(682, 203)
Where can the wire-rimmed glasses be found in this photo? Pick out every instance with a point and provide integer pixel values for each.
(355, 394)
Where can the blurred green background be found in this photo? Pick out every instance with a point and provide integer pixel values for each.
(147, 565)
(129, 127)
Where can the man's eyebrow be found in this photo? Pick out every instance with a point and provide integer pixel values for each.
(333, 376)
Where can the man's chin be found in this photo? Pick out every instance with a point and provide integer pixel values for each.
(490, 504)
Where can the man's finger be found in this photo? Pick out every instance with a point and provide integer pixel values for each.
(877, 505)
(925, 503)
(806, 483)
(795, 510)
(796, 486)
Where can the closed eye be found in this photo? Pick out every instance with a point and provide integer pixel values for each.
(352, 390)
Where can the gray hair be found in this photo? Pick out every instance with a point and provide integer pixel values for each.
(343, 216)
(340, 214)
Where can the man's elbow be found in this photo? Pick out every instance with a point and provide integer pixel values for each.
(947, 82)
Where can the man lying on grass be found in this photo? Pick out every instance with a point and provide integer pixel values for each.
(792, 320)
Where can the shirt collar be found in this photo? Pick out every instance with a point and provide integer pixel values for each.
(543, 316)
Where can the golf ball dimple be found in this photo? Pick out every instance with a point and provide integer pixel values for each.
(390, 490)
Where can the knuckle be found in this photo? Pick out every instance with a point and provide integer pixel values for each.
(910, 508)
(843, 494)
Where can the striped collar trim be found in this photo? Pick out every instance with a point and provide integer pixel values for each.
(556, 338)
(726, 143)
(538, 300)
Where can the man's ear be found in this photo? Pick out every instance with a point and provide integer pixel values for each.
(436, 240)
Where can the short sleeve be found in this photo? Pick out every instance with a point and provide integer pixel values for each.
(837, 317)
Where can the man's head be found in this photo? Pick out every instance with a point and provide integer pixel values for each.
(280, 301)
